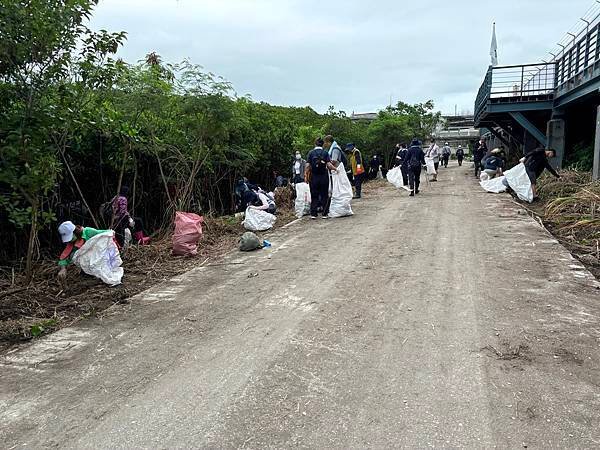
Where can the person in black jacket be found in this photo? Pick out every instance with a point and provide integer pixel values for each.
(416, 160)
(478, 154)
(535, 164)
(402, 161)
(460, 155)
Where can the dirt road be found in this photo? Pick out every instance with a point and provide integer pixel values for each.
(448, 320)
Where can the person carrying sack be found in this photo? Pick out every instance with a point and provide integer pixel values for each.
(317, 171)
(416, 160)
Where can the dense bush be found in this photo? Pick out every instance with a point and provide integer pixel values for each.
(76, 123)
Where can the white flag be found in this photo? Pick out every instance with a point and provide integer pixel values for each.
(494, 48)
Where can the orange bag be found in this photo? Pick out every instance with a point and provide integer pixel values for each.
(188, 231)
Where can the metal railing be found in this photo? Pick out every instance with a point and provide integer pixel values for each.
(575, 60)
(512, 84)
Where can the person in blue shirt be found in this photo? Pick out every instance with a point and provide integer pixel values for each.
(317, 172)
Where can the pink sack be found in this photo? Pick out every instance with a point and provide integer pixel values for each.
(188, 231)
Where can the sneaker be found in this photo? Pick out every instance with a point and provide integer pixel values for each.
(313, 217)
(325, 217)
(412, 194)
(417, 191)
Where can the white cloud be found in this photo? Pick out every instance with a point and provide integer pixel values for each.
(348, 53)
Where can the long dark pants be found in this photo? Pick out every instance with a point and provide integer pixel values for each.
(358, 181)
(477, 167)
(414, 178)
(460, 160)
(404, 171)
(446, 159)
(319, 192)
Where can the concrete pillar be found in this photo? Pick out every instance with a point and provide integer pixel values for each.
(596, 169)
(556, 135)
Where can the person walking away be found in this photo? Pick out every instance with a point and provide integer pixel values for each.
(416, 160)
(478, 154)
(433, 152)
(446, 153)
(122, 219)
(402, 161)
(318, 164)
(460, 155)
(535, 164)
(356, 169)
(298, 169)
(73, 236)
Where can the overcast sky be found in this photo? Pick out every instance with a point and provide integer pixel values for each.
(352, 54)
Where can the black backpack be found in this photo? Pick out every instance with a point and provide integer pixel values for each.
(317, 163)
(414, 161)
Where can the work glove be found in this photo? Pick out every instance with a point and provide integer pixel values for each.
(131, 222)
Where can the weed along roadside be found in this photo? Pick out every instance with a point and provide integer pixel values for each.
(44, 306)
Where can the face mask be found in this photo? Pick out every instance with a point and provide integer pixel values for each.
(298, 156)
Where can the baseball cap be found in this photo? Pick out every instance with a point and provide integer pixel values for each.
(65, 230)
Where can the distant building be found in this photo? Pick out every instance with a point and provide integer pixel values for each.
(457, 130)
(363, 117)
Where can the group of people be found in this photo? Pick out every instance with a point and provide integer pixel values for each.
(325, 159)
(492, 164)
(411, 161)
(116, 213)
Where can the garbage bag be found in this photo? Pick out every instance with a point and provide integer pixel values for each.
(430, 166)
(100, 257)
(495, 185)
(302, 204)
(258, 220)
(249, 242)
(519, 181)
(341, 194)
(188, 231)
(394, 176)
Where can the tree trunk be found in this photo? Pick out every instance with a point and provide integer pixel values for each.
(31, 246)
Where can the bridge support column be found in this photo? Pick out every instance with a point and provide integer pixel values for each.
(556, 139)
(596, 169)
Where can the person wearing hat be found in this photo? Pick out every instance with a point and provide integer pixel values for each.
(74, 236)
(356, 168)
(416, 160)
(446, 153)
(460, 155)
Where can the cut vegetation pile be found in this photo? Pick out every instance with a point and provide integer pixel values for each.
(27, 312)
(570, 209)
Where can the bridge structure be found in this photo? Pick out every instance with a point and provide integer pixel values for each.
(552, 104)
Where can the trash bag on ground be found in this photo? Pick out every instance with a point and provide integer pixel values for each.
(302, 204)
(250, 242)
(394, 176)
(519, 181)
(258, 220)
(430, 166)
(495, 185)
(100, 257)
(341, 194)
(188, 231)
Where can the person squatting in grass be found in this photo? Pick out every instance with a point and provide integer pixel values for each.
(535, 164)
